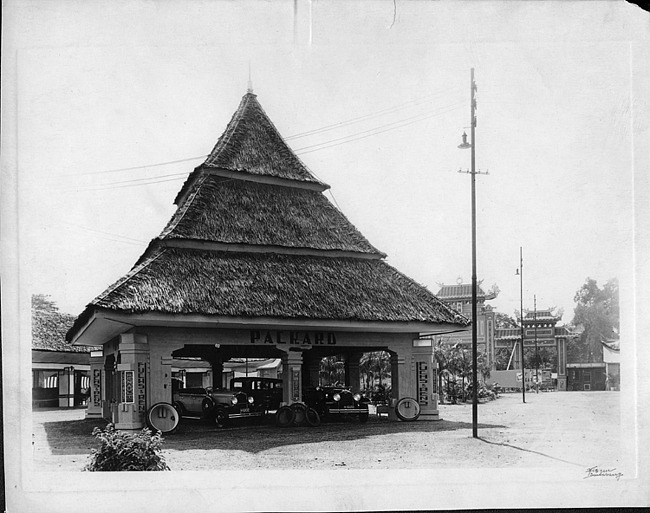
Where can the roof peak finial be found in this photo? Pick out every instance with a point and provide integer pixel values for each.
(249, 89)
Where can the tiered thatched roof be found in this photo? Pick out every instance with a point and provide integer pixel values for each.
(254, 236)
(240, 212)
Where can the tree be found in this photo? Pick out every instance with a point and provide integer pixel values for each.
(597, 312)
(502, 320)
(49, 326)
(501, 358)
(332, 370)
(375, 368)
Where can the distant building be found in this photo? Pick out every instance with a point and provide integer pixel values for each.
(586, 376)
(541, 331)
(612, 359)
(459, 297)
(60, 378)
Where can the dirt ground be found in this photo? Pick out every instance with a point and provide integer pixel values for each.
(554, 428)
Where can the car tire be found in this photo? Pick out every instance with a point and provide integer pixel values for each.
(179, 408)
(162, 417)
(407, 409)
(220, 418)
(300, 410)
(363, 417)
(207, 407)
(285, 416)
(312, 417)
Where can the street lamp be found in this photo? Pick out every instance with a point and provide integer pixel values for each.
(520, 272)
(472, 145)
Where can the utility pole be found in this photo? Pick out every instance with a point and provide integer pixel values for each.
(521, 321)
(536, 355)
(473, 172)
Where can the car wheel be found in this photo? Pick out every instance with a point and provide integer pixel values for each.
(312, 417)
(220, 418)
(207, 406)
(407, 409)
(179, 408)
(285, 416)
(301, 413)
(363, 417)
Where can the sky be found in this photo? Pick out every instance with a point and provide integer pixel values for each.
(116, 103)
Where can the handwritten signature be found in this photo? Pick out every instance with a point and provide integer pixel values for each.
(603, 472)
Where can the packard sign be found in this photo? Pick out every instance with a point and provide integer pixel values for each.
(300, 338)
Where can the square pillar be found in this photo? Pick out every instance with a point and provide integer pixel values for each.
(66, 388)
(311, 372)
(94, 408)
(132, 381)
(352, 373)
(291, 377)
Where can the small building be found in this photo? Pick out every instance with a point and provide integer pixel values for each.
(586, 376)
(612, 359)
(257, 263)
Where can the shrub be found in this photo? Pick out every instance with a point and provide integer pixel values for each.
(121, 451)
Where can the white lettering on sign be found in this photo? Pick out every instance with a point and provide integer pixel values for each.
(142, 373)
(97, 387)
(422, 373)
(127, 386)
(293, 338)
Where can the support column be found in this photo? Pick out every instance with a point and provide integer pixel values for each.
(132, 381)
(352, 373)
(291, 377)
(400, 385)
(217, 373)
(311, 371)
(66, 388)
(94, 408)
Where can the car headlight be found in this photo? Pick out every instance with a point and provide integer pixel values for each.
(357, 397)
(251, 400)
(233, 400)
(336, 397)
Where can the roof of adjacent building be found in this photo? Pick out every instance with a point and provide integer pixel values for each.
(540, 315)
(61, 356)
(462, 291)
(243, 245)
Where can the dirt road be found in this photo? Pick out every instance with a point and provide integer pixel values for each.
(579, 429)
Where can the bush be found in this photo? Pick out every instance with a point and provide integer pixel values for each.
(121, 451)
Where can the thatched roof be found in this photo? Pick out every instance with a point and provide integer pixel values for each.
(254, 236)
(252, 145)
(241, 212)
(185, 281)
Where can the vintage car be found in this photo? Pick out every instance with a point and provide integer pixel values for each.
(218, 405)
(336, 401)
(265, 391)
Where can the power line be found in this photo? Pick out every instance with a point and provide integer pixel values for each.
(417, 101)
(374, 131)
(424, 99)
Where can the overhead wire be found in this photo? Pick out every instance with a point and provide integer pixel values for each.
(417, 101)
(423, 99)
(300, 151)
